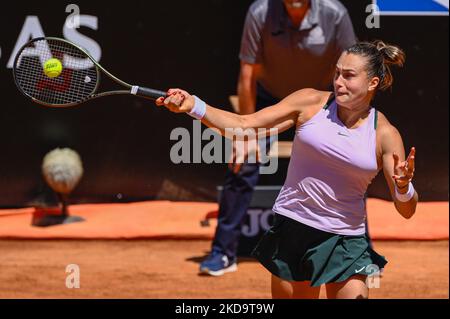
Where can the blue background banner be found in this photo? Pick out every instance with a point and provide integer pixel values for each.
(412, 7)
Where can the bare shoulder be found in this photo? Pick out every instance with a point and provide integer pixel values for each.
(388, 134)
(308, 97)
(385, 128)
(307, 102)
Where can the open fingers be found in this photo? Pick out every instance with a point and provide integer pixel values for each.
(411, 161)
(412, 153)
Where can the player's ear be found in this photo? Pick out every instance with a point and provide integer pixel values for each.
(373, 83)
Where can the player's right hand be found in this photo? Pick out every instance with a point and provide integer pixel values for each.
(177, 101)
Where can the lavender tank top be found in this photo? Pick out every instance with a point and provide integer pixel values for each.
(330, 169)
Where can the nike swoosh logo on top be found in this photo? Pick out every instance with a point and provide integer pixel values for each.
(342, 134)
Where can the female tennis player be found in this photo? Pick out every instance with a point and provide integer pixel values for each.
(341, 143)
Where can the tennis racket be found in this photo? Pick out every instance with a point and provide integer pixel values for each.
(78, 81)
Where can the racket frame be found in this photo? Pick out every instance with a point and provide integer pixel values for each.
(132, 89)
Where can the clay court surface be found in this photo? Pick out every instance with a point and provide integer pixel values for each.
(168, 269)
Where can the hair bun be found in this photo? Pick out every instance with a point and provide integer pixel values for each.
(392, 54)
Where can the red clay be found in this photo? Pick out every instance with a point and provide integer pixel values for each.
(168, 269)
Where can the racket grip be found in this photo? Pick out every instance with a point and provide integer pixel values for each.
(147, 93)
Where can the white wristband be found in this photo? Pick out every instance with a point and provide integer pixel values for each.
(199, 109)
(407, 196)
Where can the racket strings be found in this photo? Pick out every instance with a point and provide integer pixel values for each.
(77, 81)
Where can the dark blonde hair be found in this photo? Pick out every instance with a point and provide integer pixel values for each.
(380, 57)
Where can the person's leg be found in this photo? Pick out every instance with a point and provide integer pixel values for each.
(235, 199)
(282, 289)
(353, 288)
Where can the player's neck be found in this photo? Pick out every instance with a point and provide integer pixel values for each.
(354, 117)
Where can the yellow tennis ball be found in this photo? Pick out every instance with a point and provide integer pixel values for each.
(52, 68)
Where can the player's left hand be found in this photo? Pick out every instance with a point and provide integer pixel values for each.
(404, 170)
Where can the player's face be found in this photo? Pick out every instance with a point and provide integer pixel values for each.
(352, 86)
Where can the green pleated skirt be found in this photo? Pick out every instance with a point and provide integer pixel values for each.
(293, 251)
